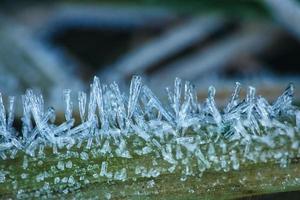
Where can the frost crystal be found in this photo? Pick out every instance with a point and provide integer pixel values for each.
(110, 112)
(182, 136)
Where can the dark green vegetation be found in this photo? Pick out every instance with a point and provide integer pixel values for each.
(79, 172)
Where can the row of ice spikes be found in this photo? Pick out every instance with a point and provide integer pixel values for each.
(107, 112)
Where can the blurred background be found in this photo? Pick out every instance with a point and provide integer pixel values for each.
(52, 45)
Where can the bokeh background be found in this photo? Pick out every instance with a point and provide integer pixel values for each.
(52, 45)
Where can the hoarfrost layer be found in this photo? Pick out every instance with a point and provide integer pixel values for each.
(108, 112)
(183, 134)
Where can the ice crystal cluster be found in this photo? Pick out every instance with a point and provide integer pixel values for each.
(121, 137)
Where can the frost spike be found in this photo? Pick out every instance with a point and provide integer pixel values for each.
(100, 104)
(26, 119)
(191, 95)
(92, 101)
(11, 111)
(82, 99)
(212, 105)
(2, 114)
(234, 98)
(156, 103)
(69, 104)
(134, 91)
(284, 101)
(121, 112)
(250, 99)
(177, 96)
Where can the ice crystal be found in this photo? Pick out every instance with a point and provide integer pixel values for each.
(240, 117)
(183, 136)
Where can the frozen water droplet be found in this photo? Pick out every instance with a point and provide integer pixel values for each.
(234, 160)
(61, 165)
(69, 164)
(84, 156)
(2, 176)
(24, 175)
(121, 175)
(71, 180)
(107, 195)
(56, 180)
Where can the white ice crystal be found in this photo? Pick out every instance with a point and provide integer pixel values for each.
(110, 112)
(177, 135)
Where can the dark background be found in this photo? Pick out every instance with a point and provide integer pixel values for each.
(52, 45)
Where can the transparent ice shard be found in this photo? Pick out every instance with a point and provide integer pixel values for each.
(190, 95)
(69, 104)
(121, 175)
(248, 112)
(263, 110)
(168, 155)
(11, 111)
(42, 126)
(16, 143)
(5, 145)
(89, 143)
(92, 105)
(240, 130)
(201, 157)
(284, 101)
(298, 119)
(81, 129)
(141, 132)
(2, 114)
(234, 100)
(183, 114)
(62, 128)
(82, 99)
(120, 106)
(100, 104)
(211, 106)
(153, 101)
(134, 91)
(26, 119)
(104, 170)
(177, 96)
(250, 99)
